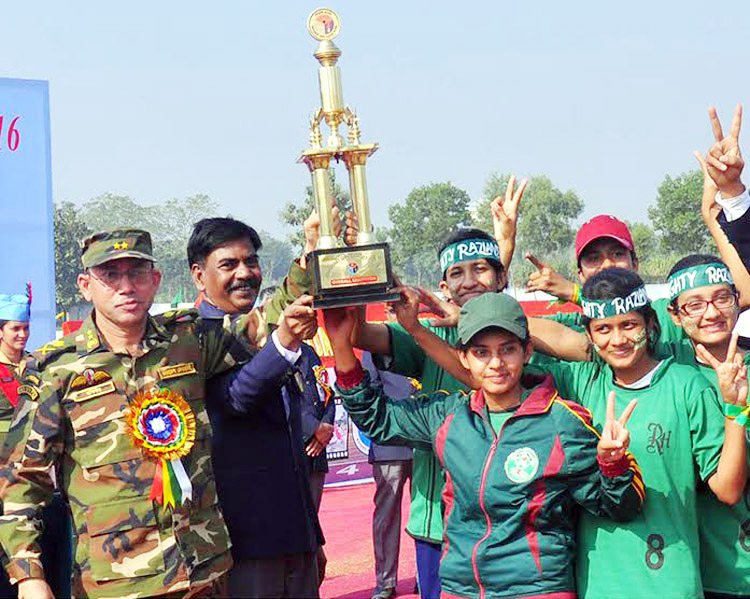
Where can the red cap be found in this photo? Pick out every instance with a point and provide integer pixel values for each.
(600, 226)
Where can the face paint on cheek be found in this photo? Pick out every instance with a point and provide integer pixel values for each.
(640, 340)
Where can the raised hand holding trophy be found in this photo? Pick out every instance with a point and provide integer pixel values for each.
(358, 274)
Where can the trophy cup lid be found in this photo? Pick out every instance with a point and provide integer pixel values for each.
(323, 24)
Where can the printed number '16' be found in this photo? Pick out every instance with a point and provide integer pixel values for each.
(13, 136)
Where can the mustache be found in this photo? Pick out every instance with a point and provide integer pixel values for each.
(250, 284)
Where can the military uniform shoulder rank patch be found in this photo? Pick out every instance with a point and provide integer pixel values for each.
(175, 370)
(51, 351)
(29, 391)
(51, 346)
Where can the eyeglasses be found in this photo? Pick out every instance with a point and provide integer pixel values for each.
(112, 277)
(698, 307)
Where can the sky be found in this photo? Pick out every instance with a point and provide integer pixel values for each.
(160, 100)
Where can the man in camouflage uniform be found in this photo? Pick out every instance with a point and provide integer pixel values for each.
(74, 413)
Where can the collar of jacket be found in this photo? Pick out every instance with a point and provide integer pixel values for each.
(256, 328)
(207, 310)
(538, 401)
(88, 339)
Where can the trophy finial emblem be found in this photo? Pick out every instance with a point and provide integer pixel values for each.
(323, 24)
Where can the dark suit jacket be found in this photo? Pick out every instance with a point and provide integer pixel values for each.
(738, 233)
(258, 457)
(315, 409)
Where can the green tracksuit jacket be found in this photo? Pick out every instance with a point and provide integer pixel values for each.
(510, 496)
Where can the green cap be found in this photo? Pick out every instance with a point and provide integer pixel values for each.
(116, 243)
(492, 310)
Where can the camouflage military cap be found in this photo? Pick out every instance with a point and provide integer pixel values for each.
(116, 243)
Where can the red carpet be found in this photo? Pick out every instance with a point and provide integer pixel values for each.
(346, 518)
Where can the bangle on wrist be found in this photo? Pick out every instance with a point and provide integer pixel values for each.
(739, 414)
(576, 297)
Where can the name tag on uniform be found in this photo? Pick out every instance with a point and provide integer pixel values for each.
(170, 372)
(4, 426)
(28, 390)
(91, 392)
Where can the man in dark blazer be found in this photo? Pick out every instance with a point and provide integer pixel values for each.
(258, 457)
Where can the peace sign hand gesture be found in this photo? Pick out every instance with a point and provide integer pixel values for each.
(504, 218)
(724, 160)
(731, 373)
(615, 437)
(710, 210)
(446, 312)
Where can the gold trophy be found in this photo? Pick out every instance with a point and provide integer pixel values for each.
(348, 275)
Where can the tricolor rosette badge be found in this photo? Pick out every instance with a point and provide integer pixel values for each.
(162, 424)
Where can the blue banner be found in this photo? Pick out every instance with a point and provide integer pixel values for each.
(27, 238)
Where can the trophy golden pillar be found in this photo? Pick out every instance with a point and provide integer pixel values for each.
(358, 274)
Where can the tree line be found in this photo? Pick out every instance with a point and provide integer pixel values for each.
(417, 224)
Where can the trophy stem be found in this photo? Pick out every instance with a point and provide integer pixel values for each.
(322, 194)
(360, 201)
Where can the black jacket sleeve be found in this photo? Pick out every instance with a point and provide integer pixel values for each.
(738, 233)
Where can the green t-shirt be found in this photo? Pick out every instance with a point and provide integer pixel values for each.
(676, 434)
(498, 419)
(724, 529)
(409, 359)
(572, 320)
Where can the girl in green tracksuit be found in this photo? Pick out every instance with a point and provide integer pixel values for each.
(680, 437)
(517, 457)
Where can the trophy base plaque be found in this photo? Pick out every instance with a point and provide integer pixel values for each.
(352, 276)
